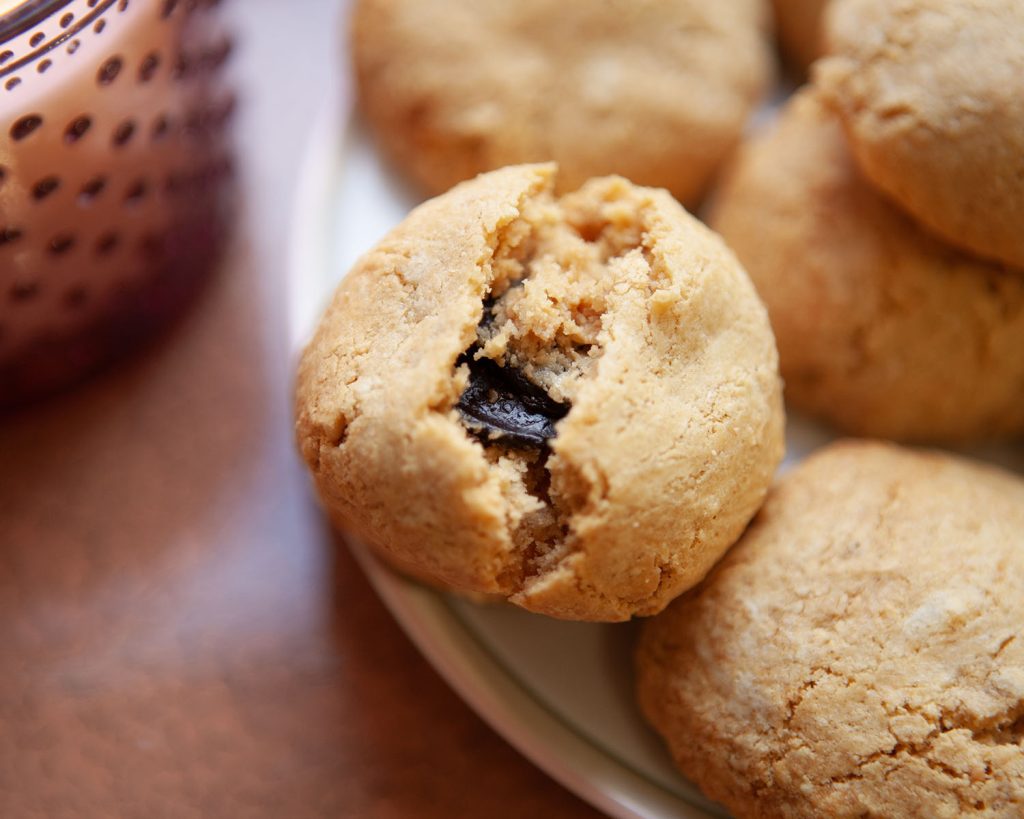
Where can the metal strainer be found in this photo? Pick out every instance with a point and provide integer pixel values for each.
(113, 177)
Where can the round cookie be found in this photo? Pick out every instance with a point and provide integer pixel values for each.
(931, 93)
(655, 90)
(882, 330)
(798, 26)
(860, 651)
(573, 403)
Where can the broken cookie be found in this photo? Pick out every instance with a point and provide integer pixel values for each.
(572, 403)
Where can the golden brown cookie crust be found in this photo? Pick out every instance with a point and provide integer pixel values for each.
(860, 651)
(675, 425)
(931, 93)
(655, 90)
(882, 330)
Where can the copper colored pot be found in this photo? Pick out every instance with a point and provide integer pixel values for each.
(114, 178)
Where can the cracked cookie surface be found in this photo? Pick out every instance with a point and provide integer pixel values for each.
(655, 90)
(498, 314)
(882, 329)
(860, 651)
(931, 93)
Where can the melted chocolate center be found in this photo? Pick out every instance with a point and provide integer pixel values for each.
(501, 405)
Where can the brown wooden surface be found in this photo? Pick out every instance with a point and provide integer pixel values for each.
(179, 634)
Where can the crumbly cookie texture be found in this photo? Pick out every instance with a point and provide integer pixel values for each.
(798, 26)
(882, 329)
(931, 93)
(609, 318)
(655, 90)
(860, 651)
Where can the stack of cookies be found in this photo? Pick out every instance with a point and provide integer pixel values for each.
(557, 387)
(882, 220)
(558, 391)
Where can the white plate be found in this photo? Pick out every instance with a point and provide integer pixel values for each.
(559, 692)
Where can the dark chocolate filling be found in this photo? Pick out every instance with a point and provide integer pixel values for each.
(501, 405)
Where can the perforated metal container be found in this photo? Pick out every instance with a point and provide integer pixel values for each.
(114, 178)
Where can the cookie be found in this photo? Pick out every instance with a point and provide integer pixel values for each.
(798, 27)
(882, 329)
(931, 93)
(655, 90)
(860, 651)
(572, 403)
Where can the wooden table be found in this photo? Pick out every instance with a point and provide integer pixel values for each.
(180, 636)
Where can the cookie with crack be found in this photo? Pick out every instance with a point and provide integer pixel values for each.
(931, 93)
(572, 402)
(655, 90)
(860, 651)
(882, 329)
